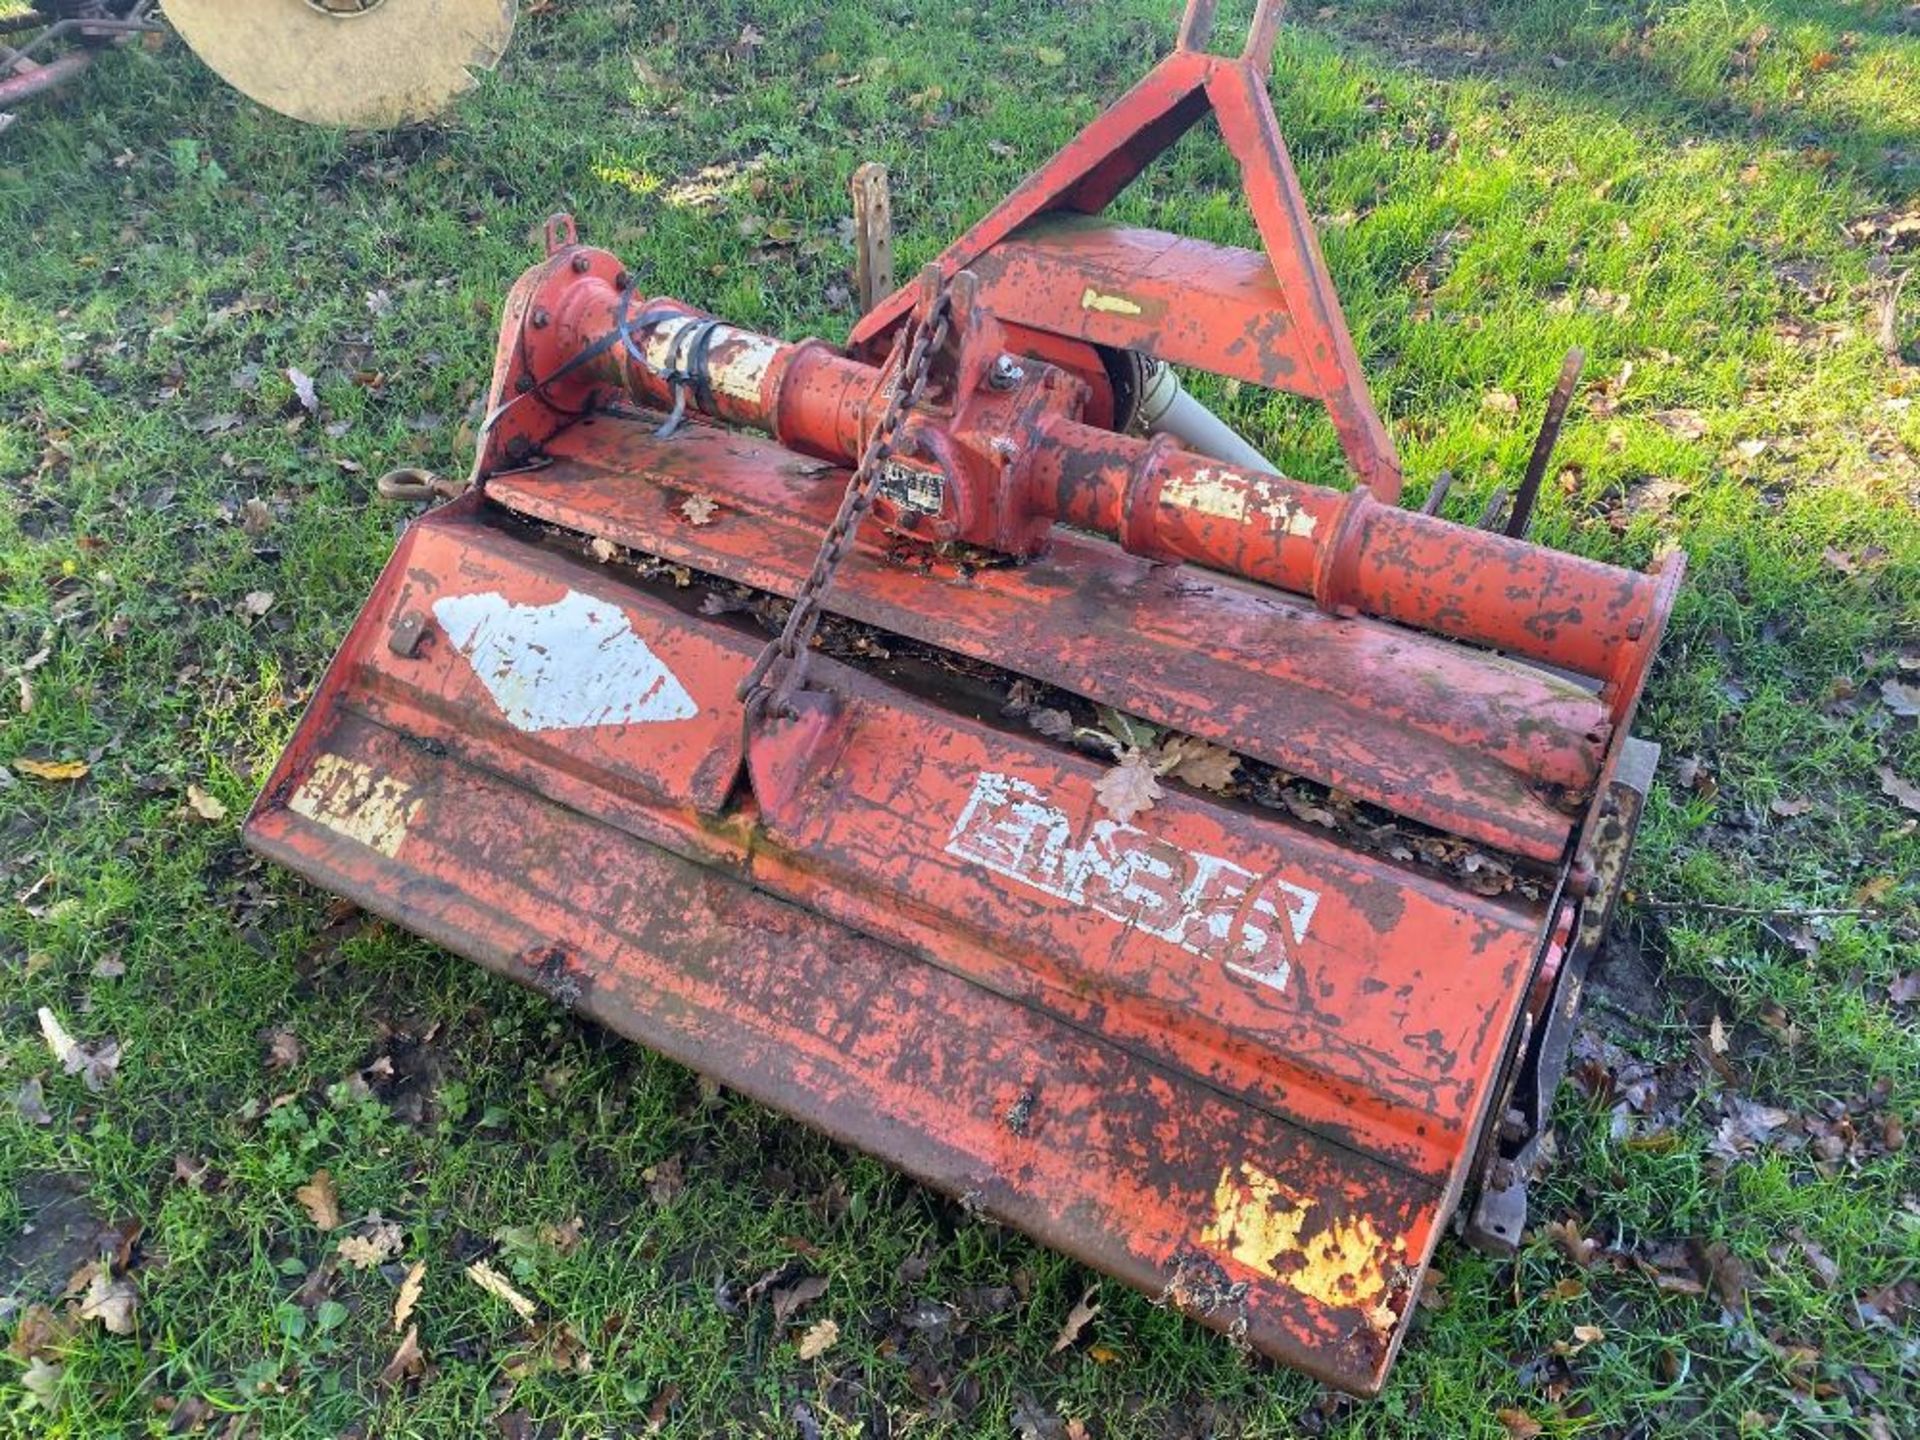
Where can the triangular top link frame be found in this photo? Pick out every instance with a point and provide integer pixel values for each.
(1277, 324)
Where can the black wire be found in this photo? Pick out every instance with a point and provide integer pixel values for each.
(625, 324)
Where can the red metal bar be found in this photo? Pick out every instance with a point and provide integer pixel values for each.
(42, 78)
(1351, 553)
(1307, 341)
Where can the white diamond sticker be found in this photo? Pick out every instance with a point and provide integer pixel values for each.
(565, 666)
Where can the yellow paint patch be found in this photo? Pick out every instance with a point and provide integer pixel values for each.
(353, 800)
(1263, 1223)
(1092, 299)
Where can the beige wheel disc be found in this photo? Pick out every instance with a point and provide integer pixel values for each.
(364, 63)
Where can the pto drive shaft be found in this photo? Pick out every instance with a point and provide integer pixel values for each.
(1008, 460)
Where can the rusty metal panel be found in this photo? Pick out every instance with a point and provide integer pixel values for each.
(1215, 1055)
(1135, 289)
(1234, 1217)
(1501, 761)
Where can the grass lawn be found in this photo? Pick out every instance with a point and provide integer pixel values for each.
(1714, 197)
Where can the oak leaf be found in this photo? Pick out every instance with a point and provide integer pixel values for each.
(819, 1339)
(1129, 788)
(409, 1296)
(320, 1200)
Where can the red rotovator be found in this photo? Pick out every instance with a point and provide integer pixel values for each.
(1246, 1052)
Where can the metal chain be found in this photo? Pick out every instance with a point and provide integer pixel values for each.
(781, 668)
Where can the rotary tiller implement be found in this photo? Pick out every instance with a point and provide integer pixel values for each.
(1192, 867)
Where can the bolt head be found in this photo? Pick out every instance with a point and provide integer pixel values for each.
(581, 264)
(541, 319)
(1005, 373)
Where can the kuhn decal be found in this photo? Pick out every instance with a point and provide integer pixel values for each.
(564, 666)
(1206, 905)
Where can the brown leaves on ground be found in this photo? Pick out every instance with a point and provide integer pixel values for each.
(59, 772)
(789, 1300)
(206, 806)
(95, 1066)
(497, 1285)
(319, 1199)
(821, 1337)
(1077, 1320)
(1901, 698)
(1685, 424)
(31, 1101)
(1897, 788)
(665, 1180)
(1746, 1127)
(554, 1345)
(699, 510)
(283, 1049)
(408, 1361)
(408, 1299)
(112, 1301)
(381, 1242)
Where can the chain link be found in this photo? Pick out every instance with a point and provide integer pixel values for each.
(781, 668)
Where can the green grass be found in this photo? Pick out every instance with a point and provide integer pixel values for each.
(1685, 189)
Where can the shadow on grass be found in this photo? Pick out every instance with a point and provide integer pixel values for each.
(1760, 73)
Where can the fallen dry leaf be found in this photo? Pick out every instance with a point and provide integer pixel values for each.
(380, 1244)
(1129, 788)
(1573, 1242)
(256, 603)
(409, 1296)
(283, 1049)
(1787, 809)
(1196, 762)
(666, 1180)
(58, 771)
(1687, 424)
(407, 1360)
(320, 1201)
(1076, 1320)
(95, 1067)
(564, 1237)
(112, 1302)
(1825, 1270)
(1872, 892)
(698, 509)
(31, 1101)
(1901, 698)
(819, 1339)
(256, 518)
(1500, 402)
(790, 1300)
(207, 807)
(1901, 791)
(41, 1380)
(1519, 1424)
(495, 1284)
(302, 384)
(1717, 1036)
